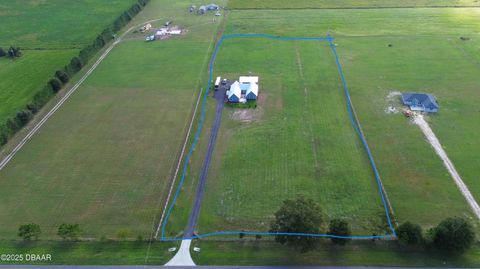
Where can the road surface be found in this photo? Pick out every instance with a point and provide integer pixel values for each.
(192, 221)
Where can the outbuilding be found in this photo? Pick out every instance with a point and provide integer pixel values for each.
(420, 102)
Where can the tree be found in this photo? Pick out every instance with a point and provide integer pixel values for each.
(29, 231)
(3, 53)
(14, 52)
(23, 117)
(339, 227)
(454, 235)
(56, 84)
(409, 233)
(297, 216)
(62, 76)
(69, 231)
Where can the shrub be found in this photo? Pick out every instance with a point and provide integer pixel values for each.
(454, 235)
(297, 216)
(339, 228)
(29, 231)
(23, 117)
(62, 76)
(409, 233)
(14, 52)
(3, 53)
(69, 231)
(55, 84)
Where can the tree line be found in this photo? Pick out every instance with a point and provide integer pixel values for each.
(61, 77)
(452, 236)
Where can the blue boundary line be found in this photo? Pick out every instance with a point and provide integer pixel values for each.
(354, 122)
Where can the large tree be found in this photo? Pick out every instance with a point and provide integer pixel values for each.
(454, 235)
(301, 215)
(69, 231)
(409, 233)
(339, 227)
(29, 231)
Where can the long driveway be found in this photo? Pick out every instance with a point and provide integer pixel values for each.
(192, 221)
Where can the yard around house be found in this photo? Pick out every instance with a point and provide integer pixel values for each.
(298, 141)
(105, 158)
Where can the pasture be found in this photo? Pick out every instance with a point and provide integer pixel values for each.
(298, 141)
(105, 158)
(315, 4)
(49, 34)
(426, 54)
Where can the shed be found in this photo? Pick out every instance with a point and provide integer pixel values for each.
(420, 102)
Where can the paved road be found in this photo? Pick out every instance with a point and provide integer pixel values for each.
(192, 222)
(202, 267)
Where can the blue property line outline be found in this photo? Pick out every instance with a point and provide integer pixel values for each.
(353, 121)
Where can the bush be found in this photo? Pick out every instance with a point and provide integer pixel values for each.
(69, 231)
(55, 84)
(453, 235)
(339, 228)
(297, 216)
(3, 53)
(29, 231)
(3, 136)
(23, 117)
(62, 76)
(14, 52)
(409, 233)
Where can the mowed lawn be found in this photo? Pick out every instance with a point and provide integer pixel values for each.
(306, 4)
(298, 141)
(105, 158)
(426, 54)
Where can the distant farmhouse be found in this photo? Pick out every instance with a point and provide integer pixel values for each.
(243, 90)
(423, 102)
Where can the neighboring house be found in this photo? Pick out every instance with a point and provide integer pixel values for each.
(420, 102)
(243, 90)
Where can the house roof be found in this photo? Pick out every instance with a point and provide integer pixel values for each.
(252, 89)
(424, 99)
(234, 90)
(248, 79)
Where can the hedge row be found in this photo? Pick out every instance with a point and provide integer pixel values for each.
(61, 77)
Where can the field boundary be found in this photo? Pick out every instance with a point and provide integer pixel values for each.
(349, 8)
(353, 120)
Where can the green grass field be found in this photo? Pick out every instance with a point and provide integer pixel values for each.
(425, 46)
(56, 23)
(298, 141)
(309, 4)
(49, 33)
(105, 158)
(21, 77)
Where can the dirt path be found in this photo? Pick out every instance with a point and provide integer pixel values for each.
(433, 140)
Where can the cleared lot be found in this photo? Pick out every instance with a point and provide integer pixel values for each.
(105, 158)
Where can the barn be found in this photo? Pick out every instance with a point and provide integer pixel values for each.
(420, 102)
